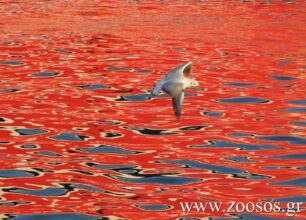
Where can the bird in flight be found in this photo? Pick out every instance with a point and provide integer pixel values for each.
(174, 84)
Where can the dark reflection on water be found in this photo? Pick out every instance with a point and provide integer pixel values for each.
(9, 90)
(59, 191)
(194, 218)
(30, 131)
(154, 207)
(290, 139)
(69, 137)
(143, 71)
(292, 182)
(213, 114)
(283, 78)
(3, 119)
(295, 110)
(83, 172)
(240, 134)
(17, 173)
(112, 135)
(297, 102)
(94, 86)
(48, 153)
(239, 173)
(301, 156)
(14, 203)
(108, 149)
(241, 159)
(11, 63)
(193, 128)
(298, 123)
(95, 189)
(284, 62)
(59, 216)
(41, 192)
(276, 167)
(113, 68)
(46, 74)
(244, 100)
(148, 131)
(138, 97)
(110, 166)
(42, 170)
(228, 144)
(158, 179)
(63, 51)
(29, 146)
(8, 43)
(239, 84)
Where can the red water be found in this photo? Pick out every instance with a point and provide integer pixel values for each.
(108, 56)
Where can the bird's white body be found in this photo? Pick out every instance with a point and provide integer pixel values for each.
(174, 85)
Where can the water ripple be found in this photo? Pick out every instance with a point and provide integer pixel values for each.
(239, 84)
(113, 68)
(239, 173)
(228, 144)
(69, 137)
(241, 159)
(116, 167)
(45, 74)
(30, 131)
(301, 156)
(137, 97)
(58, 216)
(48, 153)
(283, 78)
(295, 110)
(293, 182)
(297, 102)
(213, 114)
(9, 90)
(290, 139)
(160, 179)
(11, 63)
(14, 203)
(154, 207)
(94, 86)
(149, 131)
(108, 149)
(41, 192)
(244, 100)
(17, 173)
(298, 123)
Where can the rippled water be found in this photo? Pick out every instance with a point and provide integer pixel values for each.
(81, 137)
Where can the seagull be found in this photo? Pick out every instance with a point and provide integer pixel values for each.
(174, 84)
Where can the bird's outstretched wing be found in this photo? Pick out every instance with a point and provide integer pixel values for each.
(158, 87)
(176, 91)
(181, 70)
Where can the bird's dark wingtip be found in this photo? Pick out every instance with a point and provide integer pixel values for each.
(178, 114)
